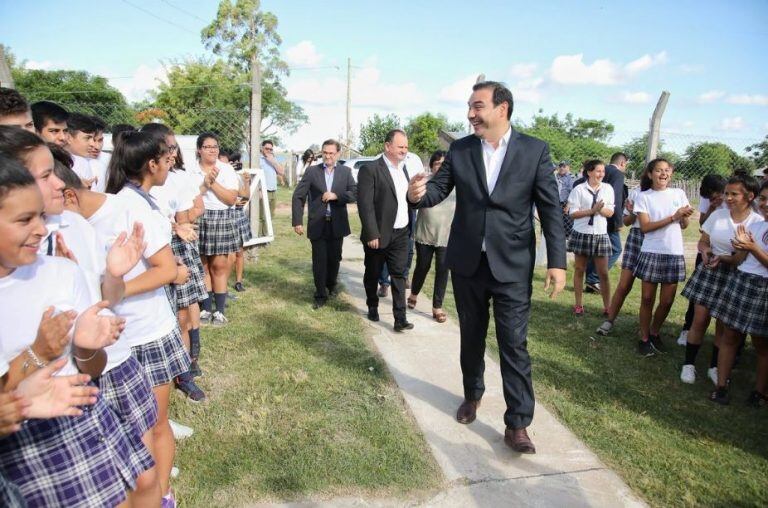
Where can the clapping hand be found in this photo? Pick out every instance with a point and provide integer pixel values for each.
(744, 239)
(48, 396)
(417, 188)
(13, 409)
(210, 178)
(53, 334)
(62, 250)
(126, 251)
(93, 331)
(629, 205)
(682, 212)
(186, 232)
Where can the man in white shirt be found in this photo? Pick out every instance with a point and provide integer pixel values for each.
(385, 218)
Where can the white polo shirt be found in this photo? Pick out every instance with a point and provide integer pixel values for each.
(580, 199)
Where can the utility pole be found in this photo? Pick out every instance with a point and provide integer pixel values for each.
(6, 79)
(349, 105)
(655, 127)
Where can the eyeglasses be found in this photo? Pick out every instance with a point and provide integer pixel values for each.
(210, 147)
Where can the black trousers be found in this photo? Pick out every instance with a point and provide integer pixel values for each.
(326, 256)
(424, 255)
(511, 311)
(395, 255)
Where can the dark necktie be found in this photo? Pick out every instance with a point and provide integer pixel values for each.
(49, 251)
(594, 200)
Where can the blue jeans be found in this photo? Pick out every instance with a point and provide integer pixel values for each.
(615, 237)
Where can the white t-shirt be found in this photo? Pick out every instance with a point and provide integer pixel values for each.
(82, 167)
(173, 196)
(633, 194)
(29, 290)
(660, 205)
(90, 250)
(3, 364)
(580, 199)
(752, 265)
(227, 178)
(99, 170)
(704, 205)
(148, 316)
(721, 230)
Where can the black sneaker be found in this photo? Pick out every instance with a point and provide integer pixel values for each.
(645, 348)
(757, 399)
(401, 326)
(657, 344)
(373, 313)
(592, 287)
(187, 386)
(720, 396)
(319, 302)
(239, 287)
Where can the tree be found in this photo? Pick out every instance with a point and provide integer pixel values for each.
(423, 132)
(710, 157)
(585, 128)
(636, 151)
(76, 91)
(372, 133)
(759, 153)
(203, 95)
(249, 40)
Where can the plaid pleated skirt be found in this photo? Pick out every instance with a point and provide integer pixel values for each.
(243, 224)
(706, 284)
(632, 249)
(660, 268)
(590, 245)
(84, 461)
(128, 392)
(218, 233)
(163, 359)
(743, 304)
(193, 290)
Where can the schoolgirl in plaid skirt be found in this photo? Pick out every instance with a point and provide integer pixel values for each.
(709, 280)
(628, 262)
(219, 236)
(244, 227)
(662, 213)
(743, 307)
(590, 204)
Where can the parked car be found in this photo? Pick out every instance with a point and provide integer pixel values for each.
(357, 162)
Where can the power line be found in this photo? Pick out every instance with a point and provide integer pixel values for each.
(166, 2)
(142, 9)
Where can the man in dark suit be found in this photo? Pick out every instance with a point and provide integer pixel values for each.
(499, 175)
(614, 176)
(329, 187)
(384, 213)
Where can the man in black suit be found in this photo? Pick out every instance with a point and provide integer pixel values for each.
(329, 186)
(384, 213)
(499, 175)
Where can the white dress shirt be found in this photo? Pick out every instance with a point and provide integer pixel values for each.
(401, 189)
(492, 158)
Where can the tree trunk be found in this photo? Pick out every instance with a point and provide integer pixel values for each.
(255, 111)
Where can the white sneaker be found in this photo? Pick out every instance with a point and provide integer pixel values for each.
(688, 374)
(605, 328)
(682, 339)
(205, 317)
(712, 374)
(219, 319)
(180, 431)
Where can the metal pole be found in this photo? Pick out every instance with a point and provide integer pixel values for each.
(6, 79)
(349, 103)
(654, 129)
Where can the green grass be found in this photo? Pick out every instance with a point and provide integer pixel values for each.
(664, 438)
(299, 405)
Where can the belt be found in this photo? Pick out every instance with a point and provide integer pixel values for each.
(271, 191)
(327, 218)
(400, 229)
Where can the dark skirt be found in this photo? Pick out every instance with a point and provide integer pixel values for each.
(660, 268)
(243, 224)
(218, 233)
(632, 249)
(163, 359)
(193, 290)
(128, 392)
(706, 284)
(743, 304)
(592, 246)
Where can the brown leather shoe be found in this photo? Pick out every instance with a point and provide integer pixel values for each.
(518, 440)
(467, 411)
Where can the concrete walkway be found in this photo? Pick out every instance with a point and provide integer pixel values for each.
(479, 469)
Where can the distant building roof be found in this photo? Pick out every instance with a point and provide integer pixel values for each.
(445, 138)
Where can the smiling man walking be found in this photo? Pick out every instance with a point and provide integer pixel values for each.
(499, 175)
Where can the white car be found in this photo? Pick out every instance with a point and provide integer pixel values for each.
(356, 163)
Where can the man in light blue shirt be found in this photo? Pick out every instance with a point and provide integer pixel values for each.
(272, 169)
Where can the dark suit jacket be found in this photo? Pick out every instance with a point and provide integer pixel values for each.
(312, 185)
(615, 178)
(377, 202)
(504, 217)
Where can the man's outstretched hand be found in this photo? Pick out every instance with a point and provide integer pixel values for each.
(556, 279)
(417, 188)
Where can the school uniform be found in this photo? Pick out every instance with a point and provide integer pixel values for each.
(123, 384)
(84, 461)
(634, 238)
(706, 284)
(172, 197)
(151, 329)
(662, 254)
(218, 231)
(590, 234)
(81, 167)
(743, 304)
(242, 222)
